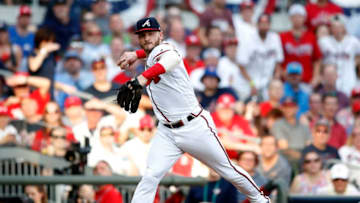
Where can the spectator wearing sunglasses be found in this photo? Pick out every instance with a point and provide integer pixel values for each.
(321, 135)
(313, 176)
(340, 182)
(58, 143)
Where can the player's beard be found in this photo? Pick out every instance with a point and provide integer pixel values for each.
(148, 47)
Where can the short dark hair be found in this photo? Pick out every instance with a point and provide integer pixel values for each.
(329, 94)
(43, 34)
(241, 153)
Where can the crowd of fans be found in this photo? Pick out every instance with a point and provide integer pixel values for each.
(286, 104)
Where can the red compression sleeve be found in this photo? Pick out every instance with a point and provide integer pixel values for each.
(140, 53)
(154, 71)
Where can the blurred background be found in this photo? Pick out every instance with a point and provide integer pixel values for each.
(281, 79)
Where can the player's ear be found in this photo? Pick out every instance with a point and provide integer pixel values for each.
(161, 35)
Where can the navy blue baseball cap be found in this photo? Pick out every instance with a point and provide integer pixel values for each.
(147, 24)
(210, 71)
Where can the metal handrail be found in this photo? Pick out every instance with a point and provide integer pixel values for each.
(95, 180)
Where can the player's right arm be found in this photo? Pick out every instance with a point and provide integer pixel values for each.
(129, 57)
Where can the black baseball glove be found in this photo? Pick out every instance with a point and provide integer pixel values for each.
(129, 95)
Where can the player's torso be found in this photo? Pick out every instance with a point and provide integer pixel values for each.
(173, 97)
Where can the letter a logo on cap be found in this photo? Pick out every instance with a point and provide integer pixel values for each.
(147, 23)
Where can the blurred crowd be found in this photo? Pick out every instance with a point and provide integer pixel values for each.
(286, 104)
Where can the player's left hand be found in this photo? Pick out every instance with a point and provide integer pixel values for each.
(129, 95)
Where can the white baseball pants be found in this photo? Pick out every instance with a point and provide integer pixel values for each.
(198, 138)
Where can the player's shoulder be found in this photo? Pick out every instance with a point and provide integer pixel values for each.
(161, 48)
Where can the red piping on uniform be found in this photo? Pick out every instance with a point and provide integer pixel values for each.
(228, 156)
(157, 106)
(198, 113)
(161, 53)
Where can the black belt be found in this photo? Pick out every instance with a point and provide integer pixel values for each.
(180, 123)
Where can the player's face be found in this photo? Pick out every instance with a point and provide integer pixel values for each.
(149, 40)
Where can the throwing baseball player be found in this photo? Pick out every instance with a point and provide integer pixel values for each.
(184, 126)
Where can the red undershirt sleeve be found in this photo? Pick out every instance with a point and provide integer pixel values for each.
(140, 53)
(154, 71)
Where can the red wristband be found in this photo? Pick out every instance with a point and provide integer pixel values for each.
(140, 53)
(154, 71)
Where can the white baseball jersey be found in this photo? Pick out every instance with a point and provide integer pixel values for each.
(260, 57)
(173, 97)
(342, 54)
(230, 75)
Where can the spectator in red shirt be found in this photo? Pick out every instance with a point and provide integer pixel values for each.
(192, 59)
(21, 83)
(300, 45)
(106, 193)
(337, 133)
(276, 92)
(52, 119)
(320, 13)
(234, 131)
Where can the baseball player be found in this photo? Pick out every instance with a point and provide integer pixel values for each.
(184, 126)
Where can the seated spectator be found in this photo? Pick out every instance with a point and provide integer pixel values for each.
(101, 88)
(229, 71)
(30, 123)
(192, 59)
(291, 134)
(214, 37)
(295, 89)
(93, 46)
(137, 149)
(8, 133)
(117, 30)
(10, 54)
(321, 135)
(106, 150)
(276, 92)
(74, 111)
(117, 48)
(212, 91)
(328, 84)
(340, 185)
(58, 145)
(101, 10)
(338, 133)
(85, 194)
(346, 116)
(59, 20)
(350, 153)
(42, 62)
(315, 112)
(176, 32)
(272, 164)
(216, 190)
(52, 119)
(248, 160)
(37, 193)
(271, 118)
(21, 33)
(216, 14)
(21, 83)
(106, 193)
(234, 131)
(211, 59)
(73, 75)
(313, 177)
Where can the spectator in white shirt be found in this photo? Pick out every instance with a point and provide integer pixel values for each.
(340, 185)
(137, 149)
(177, 35)
(261, 57)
